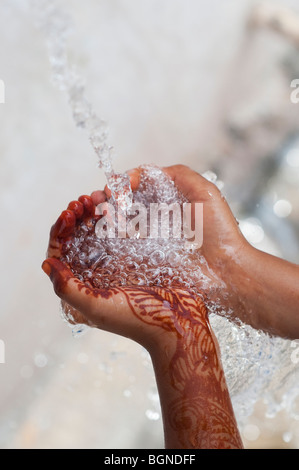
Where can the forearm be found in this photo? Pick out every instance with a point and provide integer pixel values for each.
(268, 293)
(196, 407)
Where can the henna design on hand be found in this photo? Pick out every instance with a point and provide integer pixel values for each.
(206, 421)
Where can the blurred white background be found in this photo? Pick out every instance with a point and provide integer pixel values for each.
(204, 83)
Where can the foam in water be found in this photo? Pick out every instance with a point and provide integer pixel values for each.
(137, 260)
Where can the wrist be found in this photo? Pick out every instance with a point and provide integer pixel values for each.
(242, 290)
(194, 398)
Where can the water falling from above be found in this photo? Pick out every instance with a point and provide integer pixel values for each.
(56, 27)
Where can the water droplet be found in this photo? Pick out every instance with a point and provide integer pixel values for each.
(157, 258)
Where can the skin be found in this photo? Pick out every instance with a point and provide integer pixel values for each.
(173, 324)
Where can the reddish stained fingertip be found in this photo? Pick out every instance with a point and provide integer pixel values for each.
(46, 267)
(98, 197)
(64, 225)
(88, 204)
(58, 273)
(77, 207)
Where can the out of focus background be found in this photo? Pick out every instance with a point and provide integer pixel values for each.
(206, 83)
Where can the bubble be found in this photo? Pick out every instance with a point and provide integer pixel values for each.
(157, 258)
(210, 176)
(173, 258)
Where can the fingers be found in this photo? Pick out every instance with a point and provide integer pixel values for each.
(88, 206)
(99, 307)
(98, 197)
(64, 225)
(67, 221)
(76, 211)
(77, 208)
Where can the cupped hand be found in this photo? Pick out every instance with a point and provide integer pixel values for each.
(141, 313)
(224, 247)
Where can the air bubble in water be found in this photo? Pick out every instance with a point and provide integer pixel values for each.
(157, 258)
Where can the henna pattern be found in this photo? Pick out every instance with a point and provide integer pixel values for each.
(200, 411)
(208, 420)
(204, 424)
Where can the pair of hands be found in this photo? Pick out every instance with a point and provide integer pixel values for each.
(139, 312)
(171, 323)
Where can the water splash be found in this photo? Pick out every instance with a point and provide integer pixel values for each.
(139, 260)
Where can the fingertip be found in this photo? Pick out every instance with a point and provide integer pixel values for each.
(77, 207)
(46, 267)
(58, 272)
(64, 224)
(98, 197)
(87, 204)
